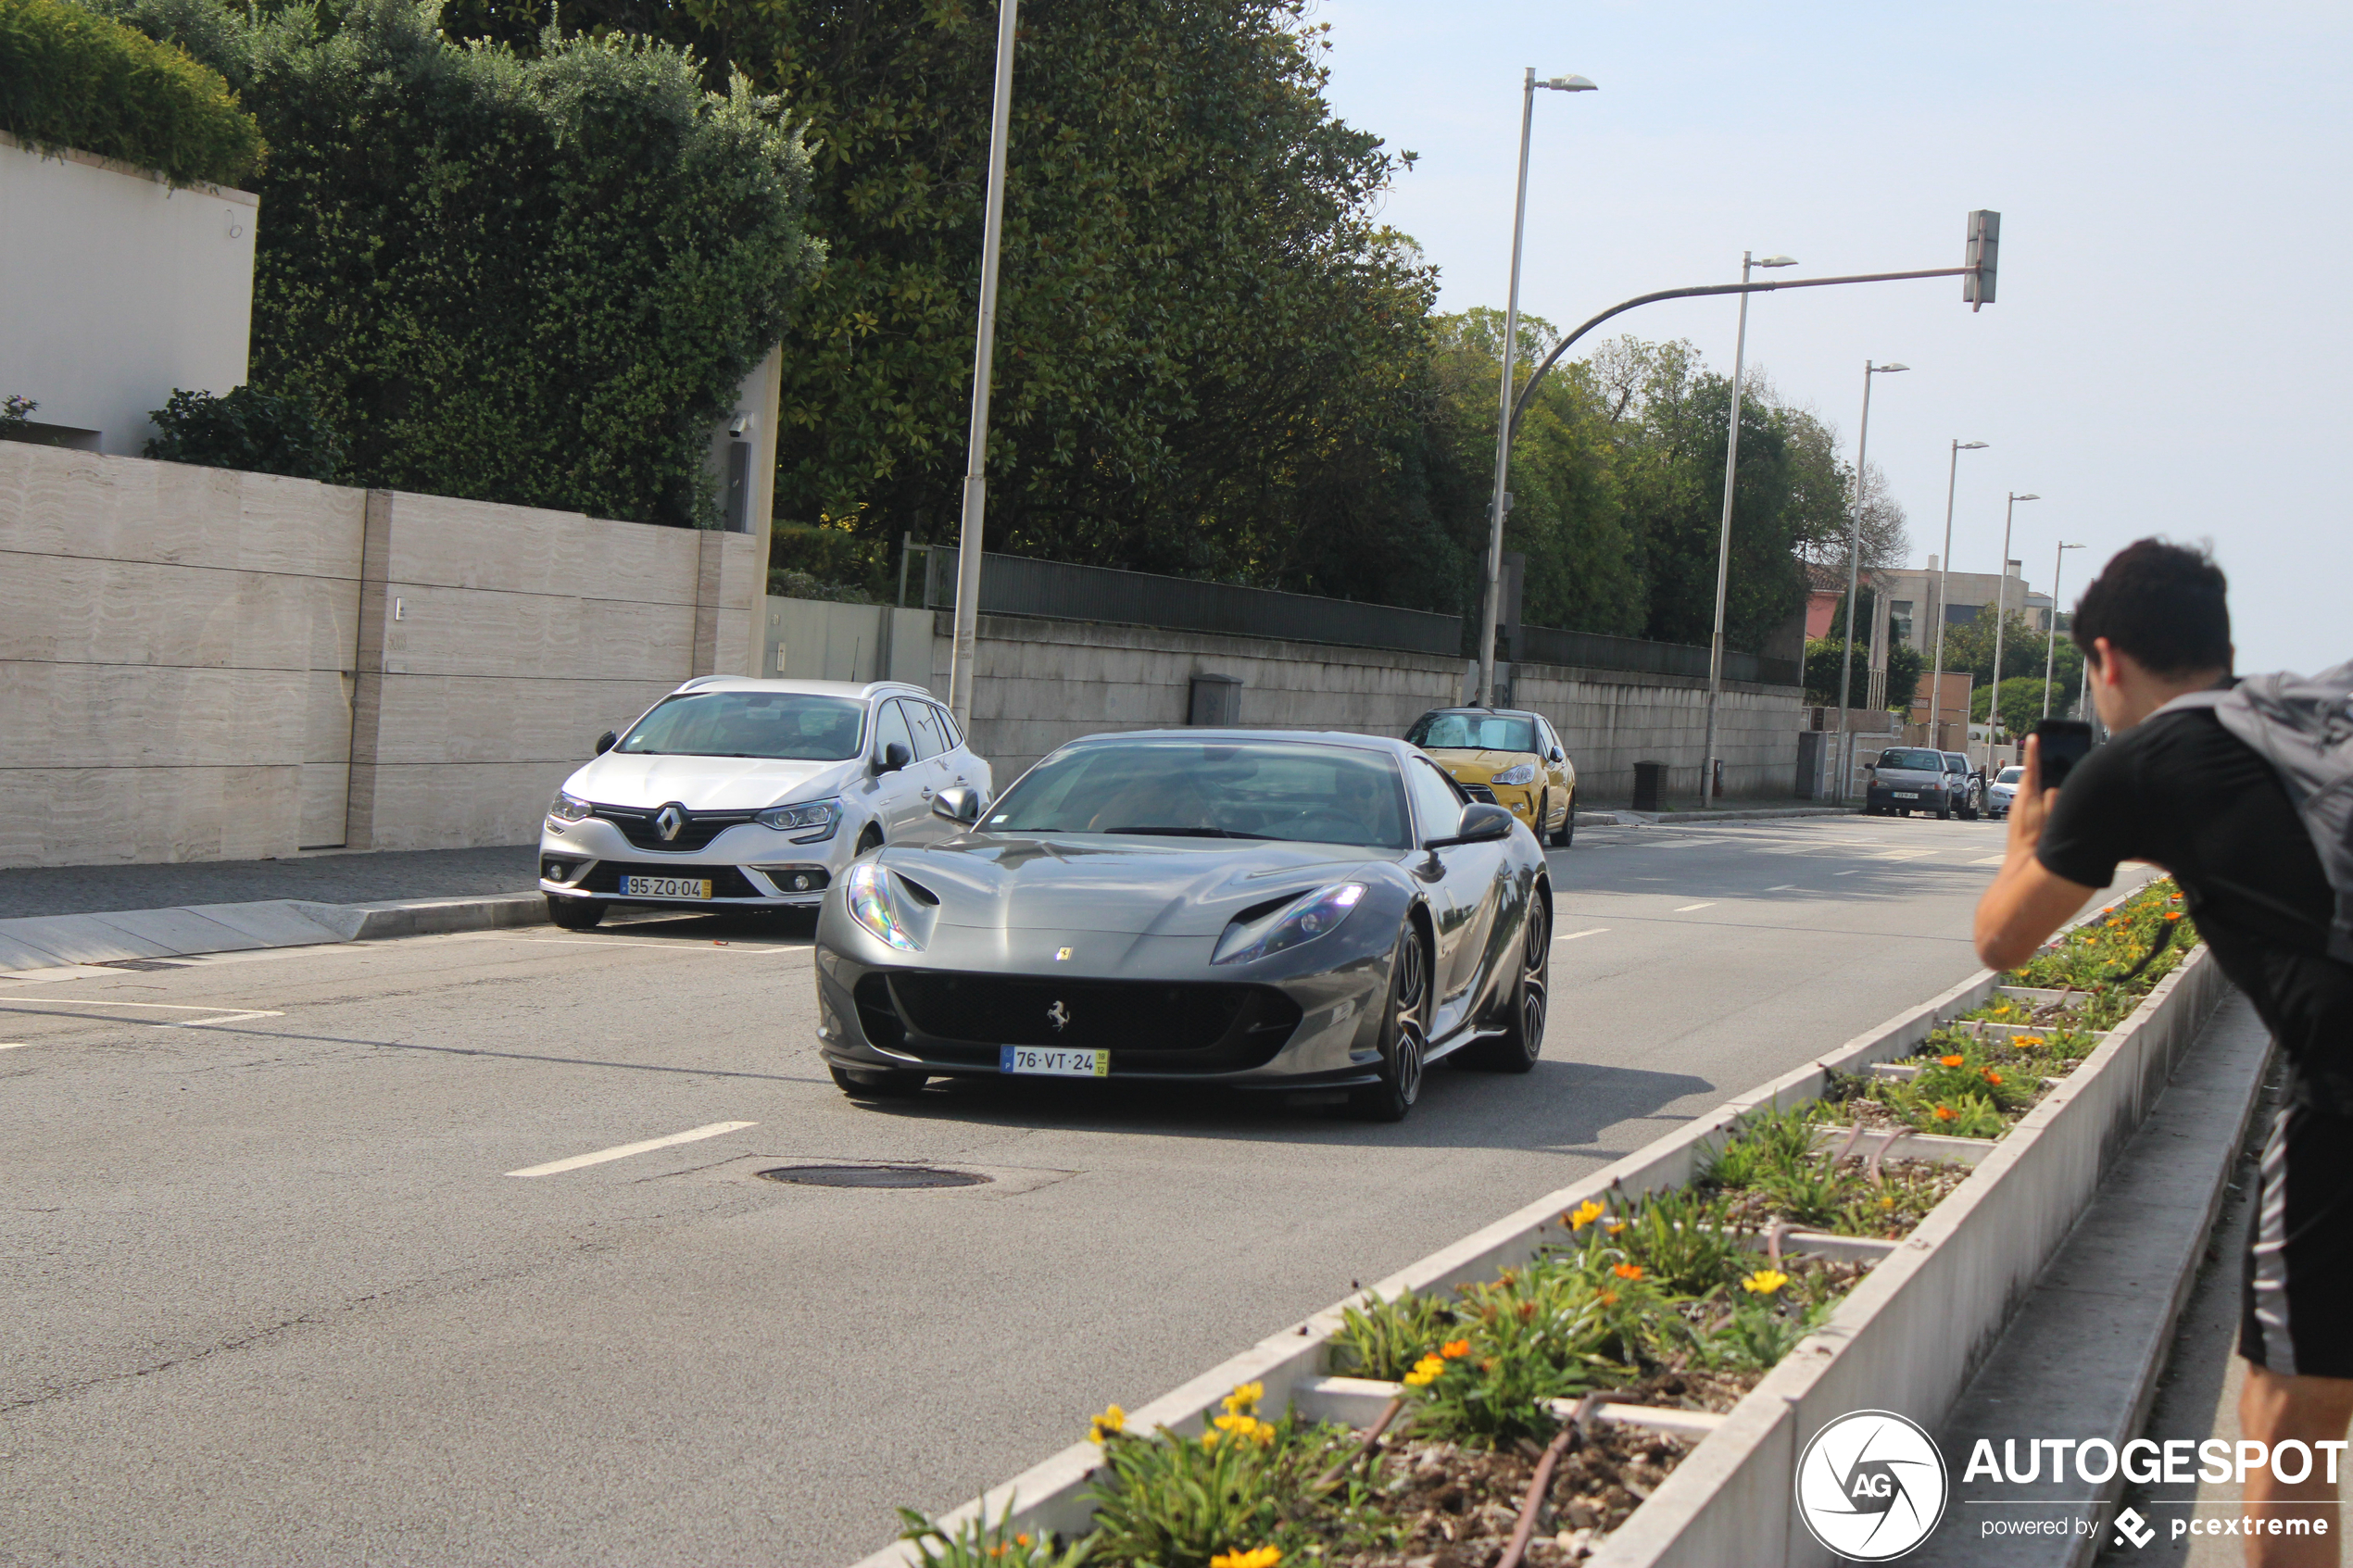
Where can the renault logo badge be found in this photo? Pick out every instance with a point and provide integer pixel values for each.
(1059, 1016)
(668, 821)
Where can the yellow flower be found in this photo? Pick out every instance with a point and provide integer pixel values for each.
(1258, 1557)
(1419, 1379)
(1887, 1201)
(1614, 1226)
(1112, 1421)
(1949, 1060)
(1764, 1282)
(1454, 1348)
(2029, 1042)
(1245, 1426)
(1584, 1214)
(1209, 1439)
(1627, 1270)
(1245, 1399)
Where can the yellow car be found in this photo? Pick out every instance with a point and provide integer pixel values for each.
(1510, 758)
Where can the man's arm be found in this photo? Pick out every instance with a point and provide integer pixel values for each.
(2028, 901)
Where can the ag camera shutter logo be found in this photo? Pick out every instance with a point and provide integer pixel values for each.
(1872, 1486)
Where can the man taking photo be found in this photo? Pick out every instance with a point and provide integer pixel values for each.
(2178, 790)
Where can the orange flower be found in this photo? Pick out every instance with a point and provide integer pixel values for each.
(1945, 1113)
(1627, 1270)
(1609, 1297)
(2172, 915)
(1950, 1061)
(1454, 1348)
(1991, 1076)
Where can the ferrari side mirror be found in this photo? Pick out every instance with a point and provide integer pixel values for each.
(960, 803)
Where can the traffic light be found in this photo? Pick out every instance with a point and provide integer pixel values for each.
(1984, 250)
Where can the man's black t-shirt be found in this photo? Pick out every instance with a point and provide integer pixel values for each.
(2184, 792)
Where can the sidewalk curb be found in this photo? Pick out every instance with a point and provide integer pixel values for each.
(41, 942)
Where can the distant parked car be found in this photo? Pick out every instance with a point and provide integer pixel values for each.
(1507, 757)
(1999, 793)
(737, 793)
(1969, 802)
(1911, 778)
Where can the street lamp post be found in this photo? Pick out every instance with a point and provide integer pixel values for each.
(1724, 543)
(2050, 644)
(1944, 573)
(1491, 609)
(2001, 607)
(1854, 583)
(964, 646)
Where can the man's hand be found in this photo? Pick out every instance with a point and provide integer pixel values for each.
(2027, 901)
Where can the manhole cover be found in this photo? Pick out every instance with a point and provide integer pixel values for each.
(142, 965)
(873, 1176)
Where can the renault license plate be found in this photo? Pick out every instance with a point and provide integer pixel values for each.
(1906, 794)
(1054, 1061)
(665, 888)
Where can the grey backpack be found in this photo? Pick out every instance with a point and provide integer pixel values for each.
(2303, 727)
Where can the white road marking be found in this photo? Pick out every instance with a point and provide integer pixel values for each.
(1901, 853)
(15, 1045)
(1705, 904)
(1989, 860)
(1786, 887)
(555, 1166)
(1573, 936)
(232, 1015)
(1849, 873)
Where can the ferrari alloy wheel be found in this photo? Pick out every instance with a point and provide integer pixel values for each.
(1522, 1042)
(883, 1083)
(1402, 1038)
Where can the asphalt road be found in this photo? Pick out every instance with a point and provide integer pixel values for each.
(269, 1292)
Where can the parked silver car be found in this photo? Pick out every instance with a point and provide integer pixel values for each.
(1966, 786)
(743, 792)
(1912, 778)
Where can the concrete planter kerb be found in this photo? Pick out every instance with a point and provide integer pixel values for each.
(1907, 1339)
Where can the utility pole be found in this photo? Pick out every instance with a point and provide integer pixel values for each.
(969, 539)
(1854, 583)
(2001, 607)
(1944, 572)
(2050, 644)
(1492, 607)
(1724, 543)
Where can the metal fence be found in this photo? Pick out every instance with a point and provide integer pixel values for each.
(1543, 644)
(1060, 591)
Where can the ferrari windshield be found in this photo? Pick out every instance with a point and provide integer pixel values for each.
(787, 726)
(1473, 731)
(1212, 789)
(1917, 761)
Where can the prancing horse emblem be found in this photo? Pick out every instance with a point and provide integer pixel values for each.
(1059, 1016)
(668, 821)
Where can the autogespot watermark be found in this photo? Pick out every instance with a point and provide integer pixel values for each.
(1873, 1485)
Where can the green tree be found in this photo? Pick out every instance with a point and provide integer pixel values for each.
(527, 280)
(1823, 662)
(2021, 702)
(1970, 646)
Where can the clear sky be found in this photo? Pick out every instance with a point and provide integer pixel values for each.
(2171, 350)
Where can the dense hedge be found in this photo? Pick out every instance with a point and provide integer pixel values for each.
(247, 429)
(70, 79)
(536, 282)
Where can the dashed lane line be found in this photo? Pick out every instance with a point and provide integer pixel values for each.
(1573, 936)
(228, 1015)
(693, 1135)
(1703, 904)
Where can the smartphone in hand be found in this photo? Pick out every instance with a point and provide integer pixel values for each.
(2062, 742)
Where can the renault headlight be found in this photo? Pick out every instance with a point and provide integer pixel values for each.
(808, 823)
(1303, 920)
(866, 895)
(569, 808)
(1524, 773)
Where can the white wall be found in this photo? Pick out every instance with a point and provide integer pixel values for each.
(115, 289)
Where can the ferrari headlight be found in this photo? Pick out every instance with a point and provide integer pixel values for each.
(807, 823)
(1524, 773)
(569, 808)
(1303, 920)
(865, 893)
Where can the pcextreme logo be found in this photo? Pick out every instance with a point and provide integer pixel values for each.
(1872, 1486)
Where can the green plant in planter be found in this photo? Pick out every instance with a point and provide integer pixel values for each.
(1763, 1326)
(1243, 1486)
(1681, 1237)
(1384, 1339)
(1531, 1337)
(985, 1544)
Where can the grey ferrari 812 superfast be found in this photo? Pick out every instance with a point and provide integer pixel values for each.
(1261, 908)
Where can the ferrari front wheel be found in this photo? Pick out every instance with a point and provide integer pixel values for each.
(1404, 1039)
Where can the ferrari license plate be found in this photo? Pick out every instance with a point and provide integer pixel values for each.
(1904, 794)
(665, 888)
(1054, 1061)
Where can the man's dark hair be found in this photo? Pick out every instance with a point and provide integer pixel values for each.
(2166, 605)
